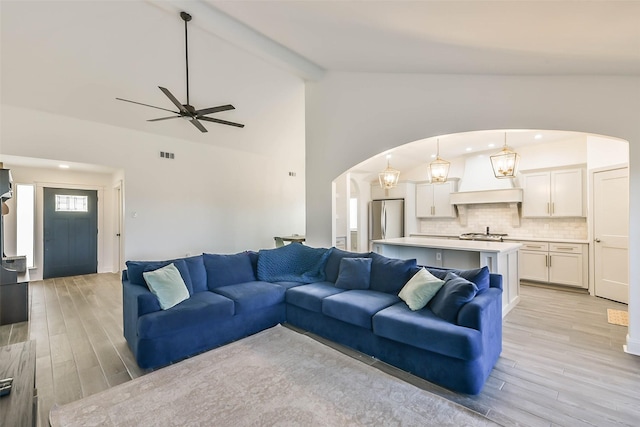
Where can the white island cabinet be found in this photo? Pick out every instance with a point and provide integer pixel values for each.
(500, 257)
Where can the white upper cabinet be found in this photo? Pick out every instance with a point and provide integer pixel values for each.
(556, 193)
(434, 200)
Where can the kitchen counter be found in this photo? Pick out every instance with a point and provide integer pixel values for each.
(500, 257)
(461, 245)
(506, 238)
(545, 239)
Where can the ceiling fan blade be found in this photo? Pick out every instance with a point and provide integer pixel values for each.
(223, 122)
(212, 110)
(146, 105)
(197, 124)
(164, 118)
(174, 100)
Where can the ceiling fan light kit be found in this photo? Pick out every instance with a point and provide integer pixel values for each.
(188, 111)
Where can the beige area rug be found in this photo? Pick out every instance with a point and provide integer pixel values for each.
(617, 317)
(276, 377)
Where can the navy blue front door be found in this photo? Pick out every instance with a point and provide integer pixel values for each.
(70, 232)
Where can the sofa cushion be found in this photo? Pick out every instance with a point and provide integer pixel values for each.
(167, 285)
(456, 292)
(355, 273)
(423, 329)
(332, 268)
(310, 296)
(479, 276)
(357, 306)
(420, 289)
(225, 270)
(135, 269)
(292, 263)
(390, 275)
(202, 310)
(252, 296)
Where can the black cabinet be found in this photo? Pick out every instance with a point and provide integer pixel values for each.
(14, 300)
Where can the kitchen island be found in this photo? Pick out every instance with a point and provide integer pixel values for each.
(500, 257)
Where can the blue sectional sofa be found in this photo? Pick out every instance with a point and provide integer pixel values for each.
(349, 298)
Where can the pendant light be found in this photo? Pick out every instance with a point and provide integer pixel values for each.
(505, 163)
(439, 169)
(388, 178)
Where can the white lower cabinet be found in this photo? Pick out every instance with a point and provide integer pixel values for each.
(556, 263)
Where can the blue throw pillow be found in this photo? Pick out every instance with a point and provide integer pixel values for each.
(224, 270)
(198, 274)
(355, 273)
(294, 262)
(135, 270)
(390, 275)
(332, 268)
(167, 285)
(456, 292)
(479, 276)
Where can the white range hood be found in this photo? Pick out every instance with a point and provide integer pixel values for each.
(480, 186)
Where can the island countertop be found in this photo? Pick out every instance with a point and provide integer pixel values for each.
(500, 257)
(460, 245)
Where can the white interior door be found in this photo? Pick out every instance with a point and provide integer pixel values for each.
(611, 234)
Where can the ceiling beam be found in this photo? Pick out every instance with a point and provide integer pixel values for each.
(218, 23)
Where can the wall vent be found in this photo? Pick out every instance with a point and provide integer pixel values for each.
(167, 155)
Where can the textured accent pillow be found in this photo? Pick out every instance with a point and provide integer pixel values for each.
(389, 274)
(355, 273)
(167, 284)
(479, 276)
(420, 289)
(224, 270)
(456, 292)
(294, 262)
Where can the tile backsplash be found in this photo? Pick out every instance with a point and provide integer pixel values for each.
(498, 218)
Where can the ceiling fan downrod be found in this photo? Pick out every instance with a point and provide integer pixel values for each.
(186, 18)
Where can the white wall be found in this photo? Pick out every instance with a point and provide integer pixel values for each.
(353, 116)
(41, 178)
(603, 152)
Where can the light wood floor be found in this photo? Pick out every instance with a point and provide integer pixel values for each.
(562, 363)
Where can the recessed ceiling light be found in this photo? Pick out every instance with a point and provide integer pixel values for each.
(433, 156)
(469, 148)
(491, 145)
(63, 166)
(538, 136)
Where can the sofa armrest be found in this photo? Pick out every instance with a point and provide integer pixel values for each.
(136, 301)
(484, 311)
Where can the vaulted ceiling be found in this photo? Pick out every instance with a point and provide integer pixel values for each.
(453, 37)
(74, 57)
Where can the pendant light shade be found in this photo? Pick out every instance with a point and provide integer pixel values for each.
(439, 169)
(388, 178)
(505, 163)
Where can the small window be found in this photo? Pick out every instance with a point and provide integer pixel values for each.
(67, 203)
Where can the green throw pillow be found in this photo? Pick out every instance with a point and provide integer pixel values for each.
(420, 289)
(167, 284)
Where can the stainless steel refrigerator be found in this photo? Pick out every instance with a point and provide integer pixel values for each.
(386, 219)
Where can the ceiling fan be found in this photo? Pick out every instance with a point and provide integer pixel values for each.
(187, 111)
